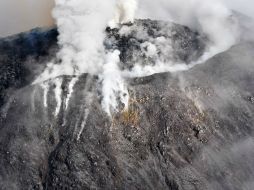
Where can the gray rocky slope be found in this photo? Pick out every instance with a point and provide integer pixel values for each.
(183, 131)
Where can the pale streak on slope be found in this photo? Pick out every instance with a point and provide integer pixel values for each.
(58, 95)
(70, 91)
(87, 111)
(45, 88)
(83, 124)
(160, 67)
(113, 84)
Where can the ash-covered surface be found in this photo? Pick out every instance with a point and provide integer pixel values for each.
(183, 131)
(146, 42)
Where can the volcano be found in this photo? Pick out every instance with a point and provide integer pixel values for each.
(182, 131)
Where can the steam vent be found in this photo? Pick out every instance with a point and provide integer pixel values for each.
(186, 130)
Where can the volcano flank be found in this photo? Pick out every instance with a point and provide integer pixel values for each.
(185, 130)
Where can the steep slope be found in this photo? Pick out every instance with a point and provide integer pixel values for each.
(187, 130)
(21, 57)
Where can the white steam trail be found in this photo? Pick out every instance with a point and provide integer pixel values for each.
(83, 124)
(113, 85)
(70, 91)
(45, 88)
(58, 95)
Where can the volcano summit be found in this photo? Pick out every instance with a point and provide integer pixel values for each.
(181, 122)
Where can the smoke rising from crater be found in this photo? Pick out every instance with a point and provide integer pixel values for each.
(82, 24)
(21, 15)
(124, 12)
(209, 17)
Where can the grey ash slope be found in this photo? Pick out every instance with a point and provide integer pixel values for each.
(189, 130)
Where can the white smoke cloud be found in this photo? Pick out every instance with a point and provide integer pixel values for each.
(17, 16)
(81, 25)
(113, 85)
(243, 6)
(124, 12)
(211, 17)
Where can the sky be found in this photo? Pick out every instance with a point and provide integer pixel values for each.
(22, 15)
(244, 6)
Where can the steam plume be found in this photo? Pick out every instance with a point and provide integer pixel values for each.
(81, 25)
(124, 12)
(210, 17)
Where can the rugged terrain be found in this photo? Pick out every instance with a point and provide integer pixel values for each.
(183, 131)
